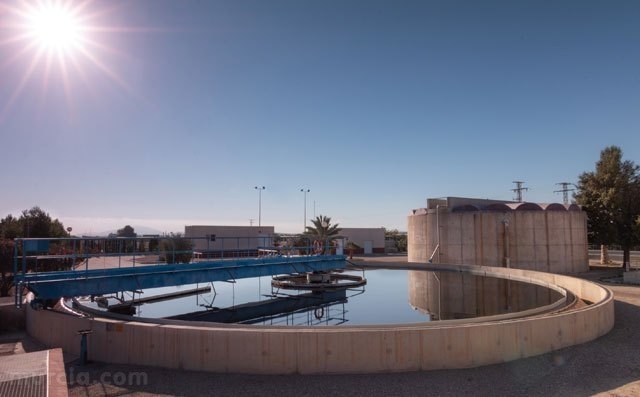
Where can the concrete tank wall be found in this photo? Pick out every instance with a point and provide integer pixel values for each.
(549, 241)
(355, 349)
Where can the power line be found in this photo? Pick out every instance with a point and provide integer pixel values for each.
(565, 191)
(518, 190)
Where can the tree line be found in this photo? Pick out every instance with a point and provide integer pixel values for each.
(34, 223)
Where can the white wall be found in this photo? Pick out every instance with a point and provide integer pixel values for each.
(235, 237)
(359, 235)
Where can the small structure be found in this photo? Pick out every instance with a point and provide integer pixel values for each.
(246, 239)
(370, 240)
(457, 230)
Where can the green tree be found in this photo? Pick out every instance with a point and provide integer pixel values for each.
(10, 228)
(176, 248)
(34, 223)
(323, 231)
(399, 239)
(611, 197)
(6, 266)
(126, 231)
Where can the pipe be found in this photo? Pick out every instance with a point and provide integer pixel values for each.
(433, 253)
(507, 262)
(507, 258)
(438, 231)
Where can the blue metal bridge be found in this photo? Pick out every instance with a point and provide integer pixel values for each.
(36, 257)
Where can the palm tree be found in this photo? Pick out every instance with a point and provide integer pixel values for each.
(322, 230)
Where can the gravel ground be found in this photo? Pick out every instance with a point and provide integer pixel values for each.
(607, 366)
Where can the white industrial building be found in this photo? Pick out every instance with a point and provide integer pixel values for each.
(211, 240)
(370, 240)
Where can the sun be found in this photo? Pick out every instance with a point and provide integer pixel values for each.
(55, 27)
(63, 43)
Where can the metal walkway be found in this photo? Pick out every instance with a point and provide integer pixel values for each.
(51, 285)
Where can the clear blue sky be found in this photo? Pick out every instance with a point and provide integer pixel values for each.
(179, 108)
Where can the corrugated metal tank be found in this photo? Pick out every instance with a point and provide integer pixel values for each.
(544, 237)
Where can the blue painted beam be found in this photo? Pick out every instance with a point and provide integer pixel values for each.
(53, 285)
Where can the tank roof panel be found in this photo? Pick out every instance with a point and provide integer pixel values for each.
(464, 204)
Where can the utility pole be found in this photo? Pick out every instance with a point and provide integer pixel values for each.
(518, 190)
(305, 191)
(250, 221)
(259, 189)
(565, 191)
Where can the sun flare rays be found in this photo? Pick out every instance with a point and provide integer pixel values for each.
(59, 42)
(55, 27)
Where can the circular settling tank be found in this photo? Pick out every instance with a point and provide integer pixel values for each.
(385, 296)
(484, 315)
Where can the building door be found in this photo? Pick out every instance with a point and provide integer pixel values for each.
(368, 247)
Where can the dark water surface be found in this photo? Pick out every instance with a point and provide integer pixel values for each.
(389, 297)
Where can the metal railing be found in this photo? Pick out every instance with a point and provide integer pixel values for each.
(38, 261)
(75, 253)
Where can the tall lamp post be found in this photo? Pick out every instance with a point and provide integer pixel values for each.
(305, 191)
(259, 189)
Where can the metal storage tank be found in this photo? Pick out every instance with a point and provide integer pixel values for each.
(544, 237)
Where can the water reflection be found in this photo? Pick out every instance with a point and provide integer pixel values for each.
(454, 295)
(390, 297)
(310, 308)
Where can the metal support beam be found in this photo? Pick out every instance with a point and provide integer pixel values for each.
(53, 285)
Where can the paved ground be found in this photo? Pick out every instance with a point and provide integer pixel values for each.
(607, 366)
(615, 255)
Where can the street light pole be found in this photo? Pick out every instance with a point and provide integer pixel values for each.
(305, 191)
(259, 189)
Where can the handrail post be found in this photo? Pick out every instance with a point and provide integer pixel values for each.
(74, 256)
(119, 251)
(15, 257)
(15, 272)
(24, 259)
